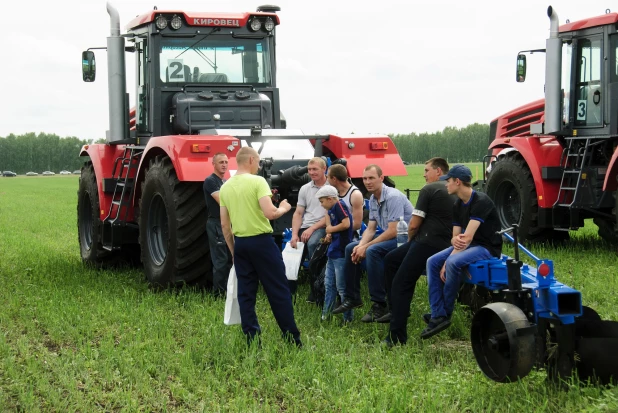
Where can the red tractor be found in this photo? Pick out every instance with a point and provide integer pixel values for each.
(205, 83)
(553, 162)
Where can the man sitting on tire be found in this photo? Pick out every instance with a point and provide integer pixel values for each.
(475, 238)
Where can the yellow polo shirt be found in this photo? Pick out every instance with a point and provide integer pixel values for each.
(240, 195)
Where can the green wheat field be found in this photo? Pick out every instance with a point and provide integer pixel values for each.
(75, 339)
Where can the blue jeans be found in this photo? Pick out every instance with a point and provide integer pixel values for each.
(442, 296)
(334, 282)
(375, 271)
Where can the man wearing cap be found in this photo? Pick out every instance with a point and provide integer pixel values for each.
(386, 207)
(475, 238)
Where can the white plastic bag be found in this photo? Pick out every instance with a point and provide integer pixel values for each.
(231, 315)
(292, 258)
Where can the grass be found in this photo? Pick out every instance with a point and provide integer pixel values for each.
(79, 339)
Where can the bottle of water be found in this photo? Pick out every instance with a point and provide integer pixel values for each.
(402, 232)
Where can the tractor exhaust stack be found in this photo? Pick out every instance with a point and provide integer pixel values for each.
(553, 72)
(116, 80)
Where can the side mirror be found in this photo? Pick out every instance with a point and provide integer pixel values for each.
(89, 67)
(521, 68)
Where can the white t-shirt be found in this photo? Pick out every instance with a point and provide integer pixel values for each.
(306, 199)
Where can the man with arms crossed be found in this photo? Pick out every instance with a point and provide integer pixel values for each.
(246, 208)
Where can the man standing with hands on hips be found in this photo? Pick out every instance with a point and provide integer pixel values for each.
(246, 208)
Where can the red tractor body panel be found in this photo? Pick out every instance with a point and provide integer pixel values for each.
(202, 19)
(378, 150)
(611, 179)
(603, 20)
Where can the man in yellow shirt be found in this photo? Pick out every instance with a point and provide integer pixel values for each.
(246, 208)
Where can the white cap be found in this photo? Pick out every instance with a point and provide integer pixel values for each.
(327, 191)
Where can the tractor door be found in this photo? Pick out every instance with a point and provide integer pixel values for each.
(143, 123)
(589, 94)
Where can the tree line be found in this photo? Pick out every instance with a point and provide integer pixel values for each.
(38, 153)
(456, 145)
(50, 152)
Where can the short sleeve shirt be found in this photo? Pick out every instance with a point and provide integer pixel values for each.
(212, 185)
(392, 205)
(341, 239)
(306, 199)
(435, 206)
(241, 196)
(480, 208)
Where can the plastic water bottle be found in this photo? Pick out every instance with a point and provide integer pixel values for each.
(402, 232)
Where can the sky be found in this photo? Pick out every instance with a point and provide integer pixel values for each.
(389, 66)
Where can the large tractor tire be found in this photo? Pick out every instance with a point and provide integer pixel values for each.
(88, 219)
(172, 224)
(511, 186)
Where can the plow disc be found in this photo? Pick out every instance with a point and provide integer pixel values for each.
(596, 341)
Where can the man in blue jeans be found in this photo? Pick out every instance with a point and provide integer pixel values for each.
(475, 227)
(386, 206)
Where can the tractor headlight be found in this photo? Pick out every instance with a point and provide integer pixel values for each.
(161, 22)
(255, 25)
(269, 24)
(176, 22)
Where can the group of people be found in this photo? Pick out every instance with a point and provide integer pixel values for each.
(451, 227)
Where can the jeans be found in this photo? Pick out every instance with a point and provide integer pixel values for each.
(402, 268)
(334, 282)
(219, 255)
(442, 296)
(375, 271)
(314, 240)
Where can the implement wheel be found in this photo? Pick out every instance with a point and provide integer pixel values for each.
(172, 225)
(502, 342)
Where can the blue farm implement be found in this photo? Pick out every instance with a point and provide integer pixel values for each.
(534, 320)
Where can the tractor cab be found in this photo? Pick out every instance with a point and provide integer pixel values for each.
(194, 72)
(581, 97)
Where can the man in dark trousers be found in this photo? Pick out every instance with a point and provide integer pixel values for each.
(475, 238)
(219, 254)
(246, 208)
(429, 232)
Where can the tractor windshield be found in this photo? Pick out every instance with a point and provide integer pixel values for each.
(215, 59)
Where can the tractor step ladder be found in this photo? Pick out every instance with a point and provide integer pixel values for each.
(575, 159)
(124, 172)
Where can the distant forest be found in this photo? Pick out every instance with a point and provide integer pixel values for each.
(49, 152)
(467, 144)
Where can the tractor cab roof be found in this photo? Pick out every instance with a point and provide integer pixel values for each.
(204, 19)
(609, 18)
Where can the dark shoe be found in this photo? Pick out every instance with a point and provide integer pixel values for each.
(435, 326)
(377, 310)
(347, 306)
(386, 318)
(387, 342)
(426, 318)
(311, 298)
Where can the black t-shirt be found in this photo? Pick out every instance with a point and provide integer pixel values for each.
(480, 208)
(435, 206)
(212, 184)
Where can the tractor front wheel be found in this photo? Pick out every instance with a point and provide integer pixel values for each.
(172, 223)
(88, 219)
(511, 187)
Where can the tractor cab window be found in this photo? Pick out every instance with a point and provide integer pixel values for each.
(588, 82)
(214, 59)
(142, 86)
(567, 57)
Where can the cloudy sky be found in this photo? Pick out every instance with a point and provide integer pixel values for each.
(389, 66)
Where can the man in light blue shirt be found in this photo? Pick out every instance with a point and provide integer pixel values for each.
(386, 206)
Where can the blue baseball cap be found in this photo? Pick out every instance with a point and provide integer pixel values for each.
(461, 172)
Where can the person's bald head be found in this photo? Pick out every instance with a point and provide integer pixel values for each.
(245, 154)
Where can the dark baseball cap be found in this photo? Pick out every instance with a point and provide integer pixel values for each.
(463, 173)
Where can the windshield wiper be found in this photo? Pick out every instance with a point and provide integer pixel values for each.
(216, 29)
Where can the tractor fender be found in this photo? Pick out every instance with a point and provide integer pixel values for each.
(102, 157)
(538, 152)
(611, 178)
(360, 151)
(191, 156)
